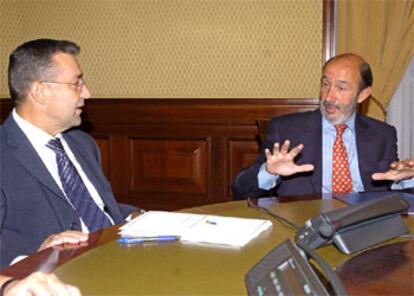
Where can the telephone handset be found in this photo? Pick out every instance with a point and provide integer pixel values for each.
(356, 227)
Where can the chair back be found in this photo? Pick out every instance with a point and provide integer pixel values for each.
(262, 129)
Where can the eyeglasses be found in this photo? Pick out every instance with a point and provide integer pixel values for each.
(79, 84)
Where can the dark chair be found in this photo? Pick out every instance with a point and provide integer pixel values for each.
(262, 128)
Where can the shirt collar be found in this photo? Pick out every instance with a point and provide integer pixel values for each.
(350, 122)
(38, 137)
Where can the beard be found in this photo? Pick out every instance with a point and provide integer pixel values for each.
(344, 112)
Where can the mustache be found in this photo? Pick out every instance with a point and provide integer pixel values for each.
(330, 105)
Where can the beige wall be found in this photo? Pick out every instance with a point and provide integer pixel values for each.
(179, 48)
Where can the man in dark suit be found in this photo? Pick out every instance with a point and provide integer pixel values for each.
(371, 145)
(49, 197)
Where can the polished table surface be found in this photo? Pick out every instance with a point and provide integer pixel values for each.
(386, 270)
(106, 267)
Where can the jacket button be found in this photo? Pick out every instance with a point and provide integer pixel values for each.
(73, 226)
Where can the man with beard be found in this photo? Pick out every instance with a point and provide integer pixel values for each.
(368, 146)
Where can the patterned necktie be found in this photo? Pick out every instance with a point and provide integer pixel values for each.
(341, 175)
(76, 191)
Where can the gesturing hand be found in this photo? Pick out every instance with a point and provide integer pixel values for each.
(399, 170)
(281, 161)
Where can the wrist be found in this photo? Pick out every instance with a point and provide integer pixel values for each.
(269, 172)
(7, 285)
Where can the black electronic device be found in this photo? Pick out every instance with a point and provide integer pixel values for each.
(283, 271)
(356, 227)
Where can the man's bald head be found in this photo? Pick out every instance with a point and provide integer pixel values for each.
(366, 78)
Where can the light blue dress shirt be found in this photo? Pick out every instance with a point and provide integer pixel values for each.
(268, 181)
(349, 138)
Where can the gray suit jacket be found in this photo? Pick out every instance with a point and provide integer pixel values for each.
(32, 207)
(376, 144)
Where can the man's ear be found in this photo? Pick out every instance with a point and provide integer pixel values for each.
(37, 92)
(364, 94)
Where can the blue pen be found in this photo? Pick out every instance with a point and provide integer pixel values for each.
(144, 239)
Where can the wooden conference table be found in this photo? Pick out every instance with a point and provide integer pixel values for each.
(105, 267)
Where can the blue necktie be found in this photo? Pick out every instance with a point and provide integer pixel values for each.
(76, 191)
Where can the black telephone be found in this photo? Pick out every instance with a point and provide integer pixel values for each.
(356, 227)
(283, 271)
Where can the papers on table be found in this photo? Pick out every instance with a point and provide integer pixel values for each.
(212, 229)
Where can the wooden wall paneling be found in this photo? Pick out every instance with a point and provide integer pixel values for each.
(227, 127)
(164, 165)
(168, 154)
(329, 29)
(104, 146)
(120, 166)
(218, 182)
(243, 152)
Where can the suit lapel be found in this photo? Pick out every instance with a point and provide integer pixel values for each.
(364, 140)
(28, 157)
(313, 148)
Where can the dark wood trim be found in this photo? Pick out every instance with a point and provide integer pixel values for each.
(328, 37)
(192, 111)
(182, 111)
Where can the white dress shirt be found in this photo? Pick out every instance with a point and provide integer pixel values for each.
(39, 138)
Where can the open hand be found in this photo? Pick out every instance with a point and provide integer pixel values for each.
(281, 161)
(399, 170)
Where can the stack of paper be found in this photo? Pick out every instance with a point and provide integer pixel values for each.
(230, 231)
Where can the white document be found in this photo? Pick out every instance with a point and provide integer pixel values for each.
(212, 229)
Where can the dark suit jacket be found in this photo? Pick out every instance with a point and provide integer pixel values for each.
(376, 144)
(32, 207)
